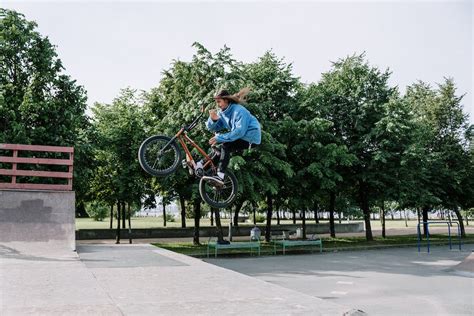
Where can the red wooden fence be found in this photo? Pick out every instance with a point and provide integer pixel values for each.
(15, 160)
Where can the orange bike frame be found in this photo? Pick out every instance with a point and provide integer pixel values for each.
(182, 136)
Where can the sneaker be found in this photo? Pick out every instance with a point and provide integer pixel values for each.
(223, 242)
(214, 179)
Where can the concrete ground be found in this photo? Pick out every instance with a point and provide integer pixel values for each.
(379, 282)
(138, 279)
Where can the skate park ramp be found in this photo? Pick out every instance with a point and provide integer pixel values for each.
(32, 220)
(466, 267)
(37, 203)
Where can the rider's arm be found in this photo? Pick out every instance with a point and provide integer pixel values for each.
(240, 125)
(215, 126)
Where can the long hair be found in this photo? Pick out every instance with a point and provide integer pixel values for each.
(241, 96)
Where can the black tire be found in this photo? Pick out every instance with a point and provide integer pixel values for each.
(212, 194)
(156, 165)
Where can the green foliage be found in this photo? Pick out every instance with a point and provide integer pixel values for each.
(440, 163)
(39, 104)
(97, 210)
(118, 131)
(170, 218)
(259, 218)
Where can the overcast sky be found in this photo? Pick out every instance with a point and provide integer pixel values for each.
(110, 45)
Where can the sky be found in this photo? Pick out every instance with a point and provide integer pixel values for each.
(110, 45)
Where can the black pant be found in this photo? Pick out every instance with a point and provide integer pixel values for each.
(226, 149)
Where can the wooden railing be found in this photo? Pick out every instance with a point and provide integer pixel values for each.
(14, 172)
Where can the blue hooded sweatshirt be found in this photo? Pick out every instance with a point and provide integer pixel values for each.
(241, 124)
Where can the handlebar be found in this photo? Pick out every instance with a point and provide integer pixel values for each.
(195, 121)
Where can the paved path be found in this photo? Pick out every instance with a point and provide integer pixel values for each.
(380, 282)
(137, 280)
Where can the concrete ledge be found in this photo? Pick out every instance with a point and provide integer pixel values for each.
(91, 234)
(37, 216)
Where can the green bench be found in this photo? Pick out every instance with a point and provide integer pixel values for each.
(286, 243)
(233, 245)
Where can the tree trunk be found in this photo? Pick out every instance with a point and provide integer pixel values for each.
(268, 227)
(332, 204)
(164, 214)
(364, 205)
(238, 207)
(467, 218)
(294, 216)
(339, 216)
(316, 217)
(183, 211)
(254, 216)
(212, 217)
(236, 216)
(461, 223)
(220, 234)
(129, 224)
(425, 219)
(278, 217)
(117, 233)
(197, 219)
(81, 210)
(111, 216)
(406, 218)
(124, 217)
(303, 223)
(382, 217)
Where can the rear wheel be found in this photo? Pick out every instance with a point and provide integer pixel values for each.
(219, 196)
(157, 160)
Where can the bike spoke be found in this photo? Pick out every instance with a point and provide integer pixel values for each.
(220, 194)
(157, 159)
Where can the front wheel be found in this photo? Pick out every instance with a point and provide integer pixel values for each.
(159, 156)
(219, 196)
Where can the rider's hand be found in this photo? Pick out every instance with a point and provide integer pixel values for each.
(212, 141)
(213, 115)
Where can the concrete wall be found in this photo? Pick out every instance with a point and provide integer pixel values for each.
(84, 234)
(37, 216)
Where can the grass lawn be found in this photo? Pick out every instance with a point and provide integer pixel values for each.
(329, 244)
(155, 222)
(141, 222)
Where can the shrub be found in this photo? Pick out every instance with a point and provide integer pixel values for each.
(260, 218)
(170, 218)
(97, 210)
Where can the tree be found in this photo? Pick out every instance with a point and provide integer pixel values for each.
(274, 87)
(320, 157)
(39, 103)
(119, 132)
(353, 97)
(394, 134)
(444, 136)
